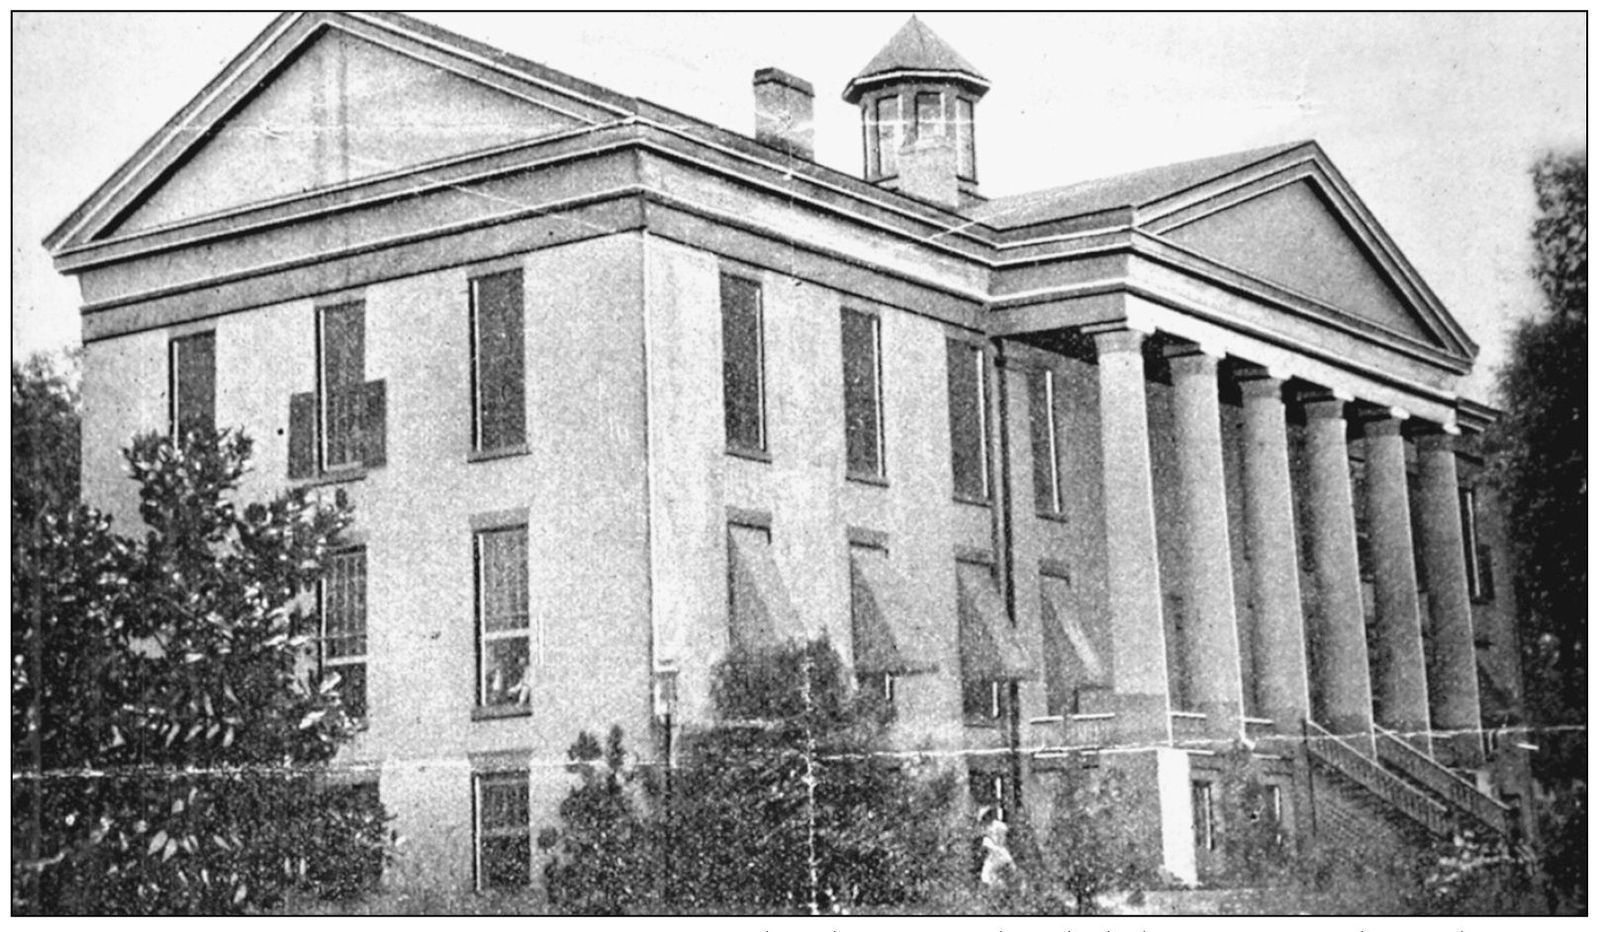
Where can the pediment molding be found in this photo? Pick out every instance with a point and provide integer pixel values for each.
(1307, 165)
(263, 61)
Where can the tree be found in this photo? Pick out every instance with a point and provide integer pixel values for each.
(44, 436)
(182, 745)
(791, 801)
(605, 860)
(1091, 849)
(1540, 465)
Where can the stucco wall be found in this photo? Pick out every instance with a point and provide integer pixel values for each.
(582, 483)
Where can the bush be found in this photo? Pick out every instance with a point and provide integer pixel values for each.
(790, 802)
(161, 682)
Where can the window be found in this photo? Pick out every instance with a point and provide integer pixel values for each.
(503, 602)
(1475, 555)
(928, 116)
(965, 139)
(742, 331)
(341, 383)
(343, 640)
(192, 387)
(886, 688)
(497, 370)
(862, 394)
(1204, 816)
(968, 421)
(985, 699)
(340, 425)
(889, 130)
(1364, 527)
(502, 830)
(1045, 445)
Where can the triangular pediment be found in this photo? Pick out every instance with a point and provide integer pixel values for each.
(1291, 236)
(326, 101)
(343, 109)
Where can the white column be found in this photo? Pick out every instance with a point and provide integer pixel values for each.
(1454, 688)
(1138, 657)
(1399, 674)
(1210, 627)
(1279, 648)
(1342, 693)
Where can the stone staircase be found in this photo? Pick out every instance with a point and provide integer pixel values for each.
(1449, 787)
(1412, 784)
(1363, 773)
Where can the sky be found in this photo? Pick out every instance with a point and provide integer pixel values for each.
(1433, 118)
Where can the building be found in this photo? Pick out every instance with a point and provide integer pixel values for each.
(1122, 474)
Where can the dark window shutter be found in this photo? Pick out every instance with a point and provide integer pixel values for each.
(374, 423)
(499, 360)
(303, 435)
(861, 393)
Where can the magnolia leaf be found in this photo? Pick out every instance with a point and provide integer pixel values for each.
(240, 893)
(169, 849)
(310, 719)
(157, 842)
(178, 806)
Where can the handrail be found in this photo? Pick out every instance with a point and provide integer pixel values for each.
(1449, 785)
(1367, 774)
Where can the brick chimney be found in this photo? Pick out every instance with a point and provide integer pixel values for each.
(926, 171)
(784, 112)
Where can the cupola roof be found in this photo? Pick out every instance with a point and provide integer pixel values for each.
(915, 52)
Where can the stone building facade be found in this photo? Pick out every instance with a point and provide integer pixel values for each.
(1123, 474)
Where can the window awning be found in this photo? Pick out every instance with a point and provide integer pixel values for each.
(1060, 622)
(989, 648)
(761, 611)
(884, 637)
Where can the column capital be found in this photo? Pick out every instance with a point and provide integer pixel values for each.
(1260, 381)
(1193, 358)
(1119, 340)
(1380, 421)
(1431, 436)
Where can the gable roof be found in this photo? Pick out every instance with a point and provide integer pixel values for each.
(914, 48)
(245, 76)
(1131, 189)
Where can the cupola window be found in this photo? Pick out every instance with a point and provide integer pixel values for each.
(964, 139)
(886, 138)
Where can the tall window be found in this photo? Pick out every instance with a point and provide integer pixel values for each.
(742, 329)
(928, 116)
(862, 394)
(888, 137)
(965, 138)
(497, 371)
(1204, 815)
(340, 425)
(968, 421)
(341, 384)
(1045, 445)
(985, 699)
(192, 383)
(503, 616)
(343, 642)
(1475, 555)
(502, 830)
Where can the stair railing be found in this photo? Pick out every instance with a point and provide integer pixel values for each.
(1449, 785)
(1366, 773)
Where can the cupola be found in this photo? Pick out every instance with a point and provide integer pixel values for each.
(917, 103)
